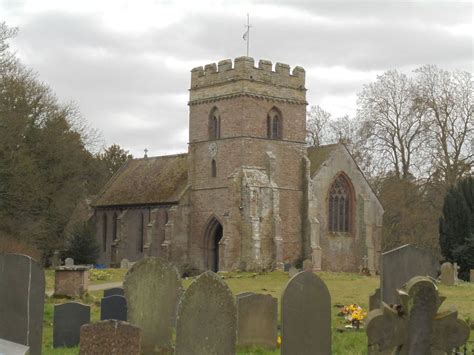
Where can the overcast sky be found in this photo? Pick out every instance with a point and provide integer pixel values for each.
(126, 64)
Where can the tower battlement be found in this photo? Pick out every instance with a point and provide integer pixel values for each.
(244, 68)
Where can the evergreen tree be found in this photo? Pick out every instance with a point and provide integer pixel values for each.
(82, 245)
(456, 227)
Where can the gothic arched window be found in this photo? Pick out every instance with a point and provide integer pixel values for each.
(274, 124)
(340, 205)
(114, 230)
(213, 168)
(104, 232)
(141, 233)
(214, 124)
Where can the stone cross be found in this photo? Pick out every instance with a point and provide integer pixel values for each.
(415, 326)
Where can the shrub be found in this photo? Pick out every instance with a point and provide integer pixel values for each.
(82, 245)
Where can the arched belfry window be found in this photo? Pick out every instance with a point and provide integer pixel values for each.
(213, 168)
(214, 124)
(340, 205)
(104, 232)
(274, 124)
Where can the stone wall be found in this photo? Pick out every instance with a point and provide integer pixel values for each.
(343, 251)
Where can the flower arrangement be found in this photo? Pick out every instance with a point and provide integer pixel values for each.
(354, 315)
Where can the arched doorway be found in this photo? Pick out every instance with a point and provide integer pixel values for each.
(214, 232)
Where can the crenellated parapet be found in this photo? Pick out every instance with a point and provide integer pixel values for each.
(242, 76)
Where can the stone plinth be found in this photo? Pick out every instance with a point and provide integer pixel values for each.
(71, 281)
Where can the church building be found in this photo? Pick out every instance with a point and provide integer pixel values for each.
(249, 194)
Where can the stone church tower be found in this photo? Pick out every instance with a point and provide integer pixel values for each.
(246, 147)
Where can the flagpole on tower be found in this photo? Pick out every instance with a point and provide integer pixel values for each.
(247, 34)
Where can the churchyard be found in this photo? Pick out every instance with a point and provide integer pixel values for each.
(343, 288)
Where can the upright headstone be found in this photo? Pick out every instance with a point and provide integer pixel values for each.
(293, 271)
(55, 259)
(417, 328)
(114, 291)
(113, 307)
(374, 300)
(471, 275)
(110, 337)
(11, 348)
(152, 289)
(69, 262)
(125, 264)
(207, 318)
(21, 301)
(306, 316)
(257, 320)
(456, 268)
(67, 322)
(400, 265)
(447, 274)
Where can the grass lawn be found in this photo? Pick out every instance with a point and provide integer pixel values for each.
(345, 288)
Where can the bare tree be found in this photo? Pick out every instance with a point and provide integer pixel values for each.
(446, 100)
(387, 110)
(317, 126)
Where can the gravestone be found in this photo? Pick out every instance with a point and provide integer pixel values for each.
(307, 265)
(113, 307)
(71, 281)
(67, 322)
(21, 301)
(447, 274)
(55, 259)
(110, 337)
(69, 262)
(456, 268)
(125, 264)
(400, 265)
(11, 348)
(306, 316)
(286, 267)
(207, 318)
(293, 271)
(152, 289)
(416, 328)
(374, 300)
(471, 275)
(257, 320)
(114, 291)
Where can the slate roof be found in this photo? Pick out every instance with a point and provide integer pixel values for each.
(146, 181)
(318, 155)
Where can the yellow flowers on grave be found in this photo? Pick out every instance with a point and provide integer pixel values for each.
(354, 315)
(278, 341)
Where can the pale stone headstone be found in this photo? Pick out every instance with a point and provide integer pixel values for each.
(307, 265)
(456, 268)
(11, 348)
(374, 300)
(417, 328)
(110, 337)
(67, 322)
(257, 320)
(114, 291)
(400, 265)
(293, 271)
(113, 307)
(21, 301)
(306, 316)
(152, 289)
(471, 275)
(207, 318)
(125, 264)
(447, 274)
(69, 262)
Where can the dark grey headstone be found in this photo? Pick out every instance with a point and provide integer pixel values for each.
(153, 288)
(257, 320)
(207, 318)
(21, 301)
(306, 316)
(113, 307)
(11, 348)
(400, 265)
(67, 322)
(114, 291)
